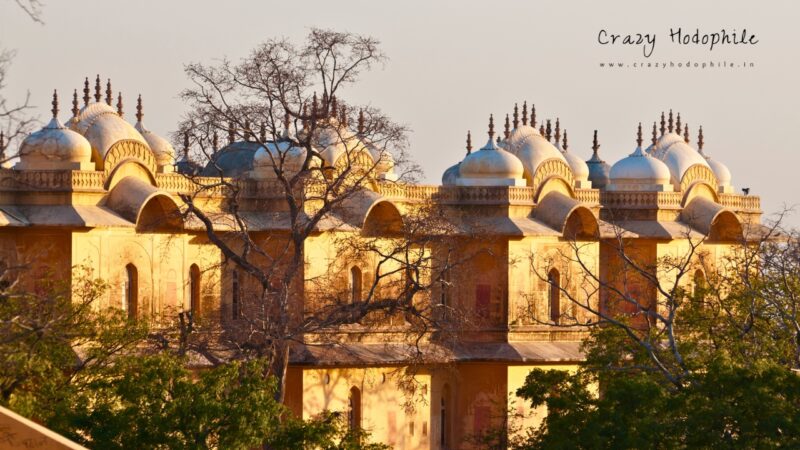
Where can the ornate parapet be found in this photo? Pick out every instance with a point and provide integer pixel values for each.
(743, 203)
(640, 200)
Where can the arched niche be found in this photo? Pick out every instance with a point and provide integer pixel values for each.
(581, 225)
(383, 219)
(712, 219)
(129, 158)
(555, 184)
(568, 216)
(144, 205)
(699, 189)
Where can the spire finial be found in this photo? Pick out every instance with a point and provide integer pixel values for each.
(558, 131)
(541, 129)
(186, 145)
(247, 132)
(469, 142)
(533, 115)
(55, 104)
(2, 142)
(671, 124)
(287, 121)
(98, 91)
(565, 139)
(525, 112)
(361, 121)
(304, 120)
(119, 105)
(595, 145)
(109, 93)
(314, 106)
(231, 132)
(639, 136)
(325, 105)
(686, 133)
(262, 132)
(215, 140)
(700, 141)
(548, 132)
(343, 115)
(516, 116)
(491, 126)
(75, 109)
(86, 92)
(663, 124)
(655, 135)
(507, 130)
(139, 113)
(334, 109)
(678, 124)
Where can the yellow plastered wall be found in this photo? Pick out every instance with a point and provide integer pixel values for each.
(383, 402)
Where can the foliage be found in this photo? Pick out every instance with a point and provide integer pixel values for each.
(714, 367)
(88, 372)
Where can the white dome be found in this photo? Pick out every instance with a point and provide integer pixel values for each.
(103, 127)
(267, 156)
(720, 170)
(678, 156)
(451, 175)
(536, 149)
(162, 149)
(580, 170)
(491, 162)
(516, 140)
(639, 171)
(337, 141)
(55, 147)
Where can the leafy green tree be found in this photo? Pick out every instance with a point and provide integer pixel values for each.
(714, 366)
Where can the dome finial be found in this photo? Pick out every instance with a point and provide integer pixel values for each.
(119, 104)
(287, 121)
(497, 141)
(55, 104)
(86, 92)
(491, 126)
(558, 131)
(670, 124)
(314, 107)
(507, 130)
(2, 142)
(262, 132)
(186, 145)
(525, 112)
(678, 124)
(663, 124)
(325, 105)
(109, 93)
(304, 120)
(231, 132)
(98, 91)
(548, 131)
(516, 116)
(686, 133)
(360, 124)
(247, 133)
(343, 115)
(215, 140)
(639, 136)
(75, 109)
(595, 145)
(654, 139)
(469, 142)
(533, 115)
(139, 113)
(565, 139)
(334, 109)
(700, 141)
(541, 129)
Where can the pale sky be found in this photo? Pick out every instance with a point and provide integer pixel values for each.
(454, 62)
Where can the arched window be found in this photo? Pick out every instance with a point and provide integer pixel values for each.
(355, 284)
(444, 418)
(554, 280)
(354, 408)
(131, 301)
(700, 285)
(236, 311)
(194, 290)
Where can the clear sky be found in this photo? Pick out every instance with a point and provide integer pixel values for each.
(454, 62)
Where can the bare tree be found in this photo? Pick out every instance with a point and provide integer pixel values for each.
(320, 164)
